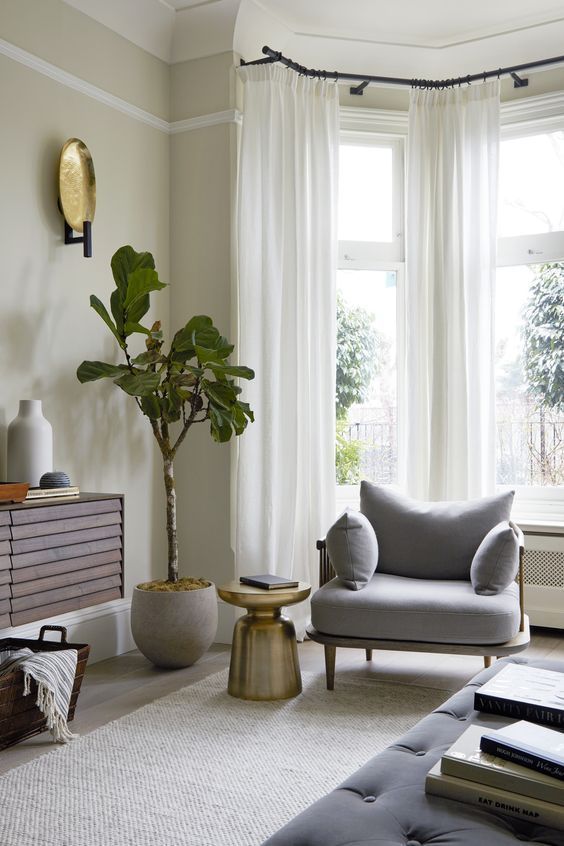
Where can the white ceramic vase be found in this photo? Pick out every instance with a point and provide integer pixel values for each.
(30, 444)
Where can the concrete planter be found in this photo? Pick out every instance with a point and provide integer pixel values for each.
(173, 629)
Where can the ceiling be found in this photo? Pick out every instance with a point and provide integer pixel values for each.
(400, 38)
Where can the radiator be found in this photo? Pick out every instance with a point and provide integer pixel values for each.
(544, 574)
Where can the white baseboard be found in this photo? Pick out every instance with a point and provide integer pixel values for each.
(107, 628)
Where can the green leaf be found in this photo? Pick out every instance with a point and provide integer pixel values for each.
(151, 406)
(220, 424)
(116, 305)
(139, 384)
(131, 328)
(90, 371)
(232, 370)
(140, 283)
(139, 309)
(185, 339)
(148, 357)
(101, 310)
(220, 393)
(205, 355)
(247, 410)
(125, 261)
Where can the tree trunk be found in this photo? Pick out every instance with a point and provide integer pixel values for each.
(171, 521)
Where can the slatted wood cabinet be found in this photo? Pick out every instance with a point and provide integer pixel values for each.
(58, 556)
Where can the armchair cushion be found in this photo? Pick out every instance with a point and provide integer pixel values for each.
(430, 540)
(496, 561)
(353, 549)
(403, 609)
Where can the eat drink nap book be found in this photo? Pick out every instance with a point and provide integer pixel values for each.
(268, 581)
(488, 798)
(524, 693)
(466, 760)
(532, 746)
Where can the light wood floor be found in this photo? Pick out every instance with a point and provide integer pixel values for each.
(120, 685)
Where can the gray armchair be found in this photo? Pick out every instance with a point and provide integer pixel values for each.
(424, 577)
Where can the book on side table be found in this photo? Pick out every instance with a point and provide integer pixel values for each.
(524, 693)
(268, 581)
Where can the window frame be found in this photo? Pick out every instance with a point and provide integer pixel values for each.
(542, 503)
(379, 255)
(529, 116)
(362, 254)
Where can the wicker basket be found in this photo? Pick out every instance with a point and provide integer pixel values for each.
(19, 716)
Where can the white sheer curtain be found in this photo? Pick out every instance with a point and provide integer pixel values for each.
(287, 249)
(448, 397)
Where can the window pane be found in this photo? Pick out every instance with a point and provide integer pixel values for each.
(530, 402)
(531, 185)
(366, 376)
(365, 193)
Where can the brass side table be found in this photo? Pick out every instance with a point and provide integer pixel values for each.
(264, 656)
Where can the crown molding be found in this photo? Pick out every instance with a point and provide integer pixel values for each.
(76, 84)
(80, 85)
(545, 109)
(201, 121)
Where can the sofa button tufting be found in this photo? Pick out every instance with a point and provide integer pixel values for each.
(413, 843)
(369, 799)
(421, 752)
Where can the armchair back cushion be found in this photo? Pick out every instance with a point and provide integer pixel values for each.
(353, 549)
(496, 562)
(430, 540)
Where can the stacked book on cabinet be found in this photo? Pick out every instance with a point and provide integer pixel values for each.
(517, 770)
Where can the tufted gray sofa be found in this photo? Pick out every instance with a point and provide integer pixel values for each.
(384, 803)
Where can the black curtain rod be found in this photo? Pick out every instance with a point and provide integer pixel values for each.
(366, 79)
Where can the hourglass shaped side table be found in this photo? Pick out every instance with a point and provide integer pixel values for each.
(264, 656)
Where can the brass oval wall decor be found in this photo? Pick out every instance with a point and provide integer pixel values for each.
(77, 192)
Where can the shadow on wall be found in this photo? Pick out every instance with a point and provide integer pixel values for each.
(3, 434)
(48, 171)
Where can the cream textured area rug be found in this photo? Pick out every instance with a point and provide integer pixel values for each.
(199, 768)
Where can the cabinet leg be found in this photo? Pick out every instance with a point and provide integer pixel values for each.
(487, 661)
(369, 655)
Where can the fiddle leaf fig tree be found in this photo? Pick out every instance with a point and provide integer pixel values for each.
(191, 383)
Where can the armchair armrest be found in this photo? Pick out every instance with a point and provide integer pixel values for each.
(326, 571)
(520, 574)
(519, 533)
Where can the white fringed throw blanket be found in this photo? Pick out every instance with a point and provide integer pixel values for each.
(54, 673)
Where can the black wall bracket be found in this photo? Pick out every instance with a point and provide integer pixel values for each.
(358, 90)
(85, 238)
(519, 81)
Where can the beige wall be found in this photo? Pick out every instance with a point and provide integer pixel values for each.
(202, 178)
(46, 324)
(63, 36)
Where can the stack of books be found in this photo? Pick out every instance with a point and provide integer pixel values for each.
(52, 493)
(517, 770)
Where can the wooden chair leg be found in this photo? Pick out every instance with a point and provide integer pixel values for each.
(369, 655)
(330, 655)
(487, 661)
